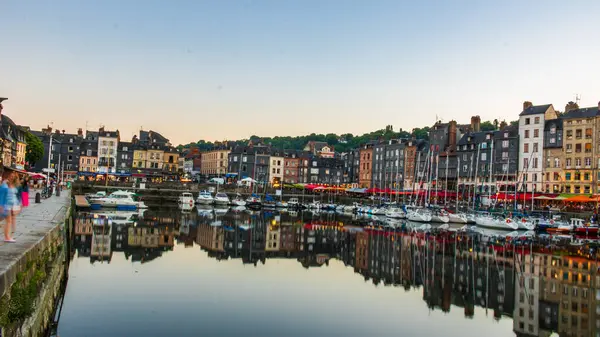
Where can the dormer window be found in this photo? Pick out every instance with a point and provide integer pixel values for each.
(468, 139)
(506, 135)
(488, 137)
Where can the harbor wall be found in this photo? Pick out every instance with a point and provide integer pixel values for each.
(32, 279)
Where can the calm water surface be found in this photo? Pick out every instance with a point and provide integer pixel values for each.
(241, 273)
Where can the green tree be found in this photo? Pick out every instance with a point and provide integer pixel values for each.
(35, 149)
(487, 126)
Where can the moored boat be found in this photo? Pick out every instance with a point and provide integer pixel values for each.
(221, 199)
(205, 198)
(186, 201)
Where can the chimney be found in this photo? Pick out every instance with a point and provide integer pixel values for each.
(527, 105)
(598, 106)
(571, 106)
(63, 132)
(475, 123)
(80, 132)
(452, 128)
(503, 125)
(101, 129)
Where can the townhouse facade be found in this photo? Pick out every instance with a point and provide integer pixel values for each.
(554, 157)
(108, 142)
(215, 162)
(531, 139)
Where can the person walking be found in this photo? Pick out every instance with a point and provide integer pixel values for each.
(12, 203)
(25, 192)
(4, 211)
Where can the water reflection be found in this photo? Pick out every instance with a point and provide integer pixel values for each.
(544, 284)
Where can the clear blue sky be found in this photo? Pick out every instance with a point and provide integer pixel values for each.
(229, 69)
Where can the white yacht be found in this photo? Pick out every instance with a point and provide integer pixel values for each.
(221, 199)
(395, 213)
(526, 224)
(459, 218)
(238, 201)
(488, 221)
(419, 215)
(186, 201)
(121, 200)
(440, 216)
(205, 198)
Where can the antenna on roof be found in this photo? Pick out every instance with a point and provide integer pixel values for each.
(577, 98)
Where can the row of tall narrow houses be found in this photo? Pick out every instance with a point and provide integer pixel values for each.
(545, 152)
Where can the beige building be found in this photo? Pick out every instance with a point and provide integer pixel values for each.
(579, 127)
(214, 163)
(171, 160)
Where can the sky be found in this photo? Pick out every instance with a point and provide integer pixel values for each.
(219, 70)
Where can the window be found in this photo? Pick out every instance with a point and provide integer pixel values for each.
(506, 135)
(568, 176)
(553, 130)
(568, 162)
(578, 148)
(588, 147)
(504, 167)
(484, 156)
(525, 162)
(535, 147)
(526, 148)
(537, 120)
(556, 162)
(483, 145)
(465, 157)
(588, 161)
(569, 148)
(505, 144)
(569, 134)
(504, 155)
(526, 133)
(578, 134)
(536, 133)
(577, 162)
(89, 153)
(552, 140)
(534, 164)
(527, 121)
(588, 133)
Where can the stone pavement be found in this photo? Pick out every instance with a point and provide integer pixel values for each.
(34, 224)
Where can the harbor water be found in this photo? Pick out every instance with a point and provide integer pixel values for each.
(236, 272)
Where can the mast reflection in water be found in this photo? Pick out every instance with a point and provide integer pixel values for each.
(528, 286)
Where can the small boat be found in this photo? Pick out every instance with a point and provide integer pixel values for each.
(186, 201)
(281, 204)
(238, 201)
(488, 221)
(419, 215)
(205, 198)
(221, 199)
(378, 211)
(269, 202)
(92, 196)
(562, 227)
(586, 229)
(440, 216)
(121, 200)
(525, 224)
(459, 218)
(253, 201)
(395, 213)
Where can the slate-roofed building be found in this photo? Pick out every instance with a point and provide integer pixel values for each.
(554, 156)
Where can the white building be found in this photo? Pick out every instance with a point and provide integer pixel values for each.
(107, 150)
(527, 294)
(276, 170)
(531, 143)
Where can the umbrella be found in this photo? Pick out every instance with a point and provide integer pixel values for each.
(36, 176)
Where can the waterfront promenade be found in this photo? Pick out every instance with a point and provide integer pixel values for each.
(36, 224)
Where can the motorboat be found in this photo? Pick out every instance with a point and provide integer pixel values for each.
(186, 201)
(221, 199)
(97, 195)
(121, 200)
(563, 227)
(238, 201)
(269, 202)
(205, 198)
(459, 218)
(419, 215)
(253, 201)
(440, 216)
(395, 213)
(582, 228)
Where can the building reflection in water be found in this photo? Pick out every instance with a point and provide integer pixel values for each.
(544, 286)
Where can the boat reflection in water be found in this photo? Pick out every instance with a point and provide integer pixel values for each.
(544, 284)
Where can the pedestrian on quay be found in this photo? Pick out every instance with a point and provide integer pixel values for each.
(25, 192)
(11, 206)
(4, 211)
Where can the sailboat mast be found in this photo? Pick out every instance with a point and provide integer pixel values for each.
(446, 183)
(491, 170)
(476, 175)
(457, 181)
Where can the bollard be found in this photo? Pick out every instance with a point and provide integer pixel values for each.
(38, 198)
